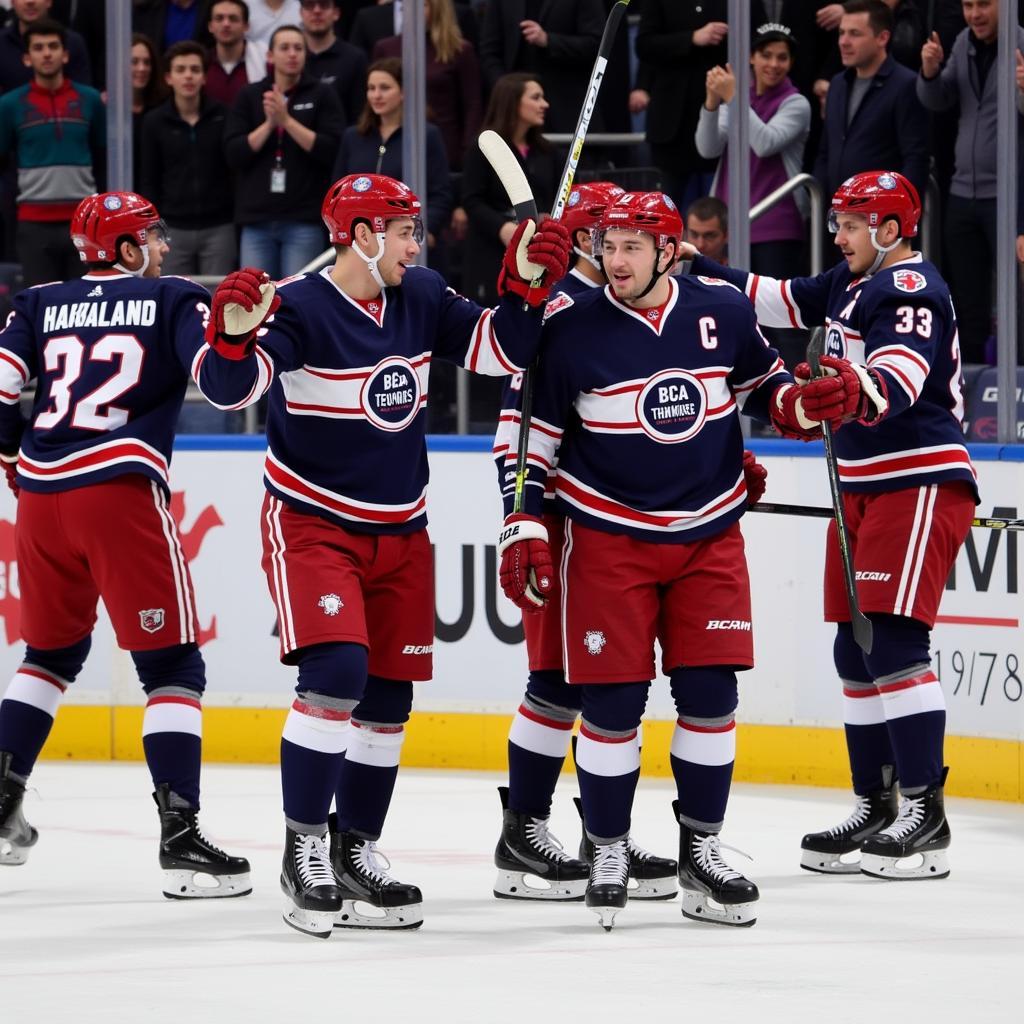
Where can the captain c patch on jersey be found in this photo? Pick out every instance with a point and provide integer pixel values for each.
(672, 406)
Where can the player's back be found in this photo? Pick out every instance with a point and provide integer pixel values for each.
(112, 355)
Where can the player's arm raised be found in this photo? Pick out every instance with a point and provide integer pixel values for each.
(505, 339)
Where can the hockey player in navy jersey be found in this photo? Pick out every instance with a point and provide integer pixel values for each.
(345, 355)
(111, 354)
(893, 385)
(542, 727)
(637, 397)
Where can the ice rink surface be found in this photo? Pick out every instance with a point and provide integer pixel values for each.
(86, 936)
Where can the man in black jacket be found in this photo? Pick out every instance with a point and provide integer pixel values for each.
(184, 170)
(331, 60)
(556, 40)
(281, 139)
(873, 118)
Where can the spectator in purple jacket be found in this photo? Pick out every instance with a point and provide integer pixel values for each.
(779, 118)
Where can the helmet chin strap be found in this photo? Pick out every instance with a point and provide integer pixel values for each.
(587, 256)
(656, 274)
(141, 271)
(372, 261)
(881, 251)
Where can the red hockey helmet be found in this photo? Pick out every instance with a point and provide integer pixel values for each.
(651, 212)
(375, 198)
(586, 203)
(878, 195)
(101, 221)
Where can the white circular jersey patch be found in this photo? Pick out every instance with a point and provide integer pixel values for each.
(672, 406)
(390, 397)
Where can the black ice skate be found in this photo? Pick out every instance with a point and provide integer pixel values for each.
(650, 877)
(837, 850)
(16, 834)
(608, 887)
(371, 898)
(915, 844)
(712, 891)
(312, 894)
(193, 867)
(528, 853)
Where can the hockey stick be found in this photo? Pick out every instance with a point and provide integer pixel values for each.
(823, 512)
(860, 622)
(509, 171)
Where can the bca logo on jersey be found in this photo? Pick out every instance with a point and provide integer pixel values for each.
(391, 396)
(672, 406)
(909, 281)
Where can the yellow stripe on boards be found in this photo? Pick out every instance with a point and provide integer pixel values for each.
(796, 755)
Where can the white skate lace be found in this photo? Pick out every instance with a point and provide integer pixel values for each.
(611, 864)
(373, 864)
(313, 861)
(855, 820)
(911, 814)
(707, 852)
(546, 844)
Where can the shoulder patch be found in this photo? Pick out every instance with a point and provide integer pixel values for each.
(909, 280)
(717, 281)
(557, 304)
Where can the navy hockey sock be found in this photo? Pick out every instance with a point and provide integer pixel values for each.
(172, 725)
(608, 757)
(538, 742)
(704, 744)
(370, 768)
(30, 704)
(911, 698)
(867, 735)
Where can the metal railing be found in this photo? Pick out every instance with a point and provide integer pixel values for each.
(809, 182)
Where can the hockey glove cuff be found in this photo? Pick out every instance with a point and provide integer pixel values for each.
(242, 303)
(755, 476)
(526, 573)
(10, 464)
(788, 416)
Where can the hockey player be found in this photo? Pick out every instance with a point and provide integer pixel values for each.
(893, 386)
(345, 354)
(111, 354)
(637, 397)
(542, 727)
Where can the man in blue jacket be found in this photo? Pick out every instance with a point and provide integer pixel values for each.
(873, 117)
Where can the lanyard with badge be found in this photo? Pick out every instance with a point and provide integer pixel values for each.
(278, 175)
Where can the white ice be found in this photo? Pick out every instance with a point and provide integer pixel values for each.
(86, 936)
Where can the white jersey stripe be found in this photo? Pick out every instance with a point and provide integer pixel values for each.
(282, 597)
(173, 551)
(910, 578)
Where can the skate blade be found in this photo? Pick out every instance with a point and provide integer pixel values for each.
(653, 888)
(829, 863)
(928, 864)
(188, 884)
(606, 916)
(519, 885)
(317, 923)
(698, 907)
(360, 914)
(12, 854)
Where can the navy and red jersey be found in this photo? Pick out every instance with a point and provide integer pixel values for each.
(641, 409)
(348, 389)
(506, 437)
(112, 354)
(900, 323)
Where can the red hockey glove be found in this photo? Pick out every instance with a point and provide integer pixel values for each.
(533, 251)
(526, 572)
(755, 476)
(846, 391)
(242, 303)
(787, 414)
(10, 464)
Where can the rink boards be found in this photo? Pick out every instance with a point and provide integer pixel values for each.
(790, 704)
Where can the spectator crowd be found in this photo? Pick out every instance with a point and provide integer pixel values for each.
(244, 111)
